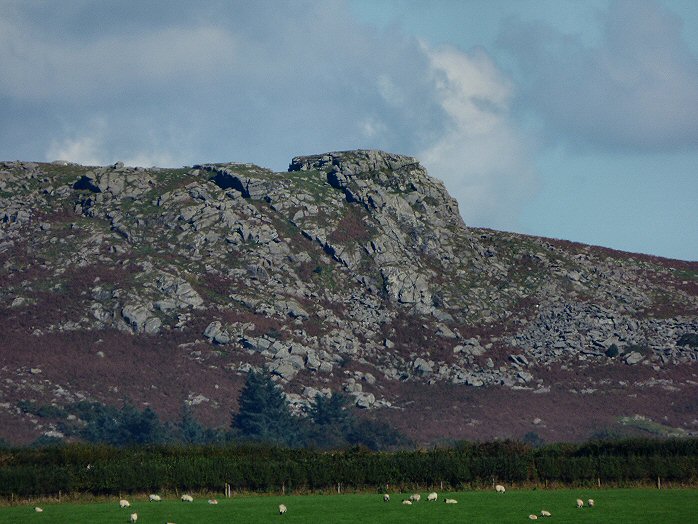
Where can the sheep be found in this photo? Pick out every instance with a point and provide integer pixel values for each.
(416, 497)
(282, 509)
(38, 509)
(432, 497)
(407, 502)
(386, 498)
(533, 517)
(499, 488)
(590, 503)
(134, 517)
(212, 501)
(580, 503)
(123, 503)
(450, 501)
(544, 513)
(154, 498)
(187, 498)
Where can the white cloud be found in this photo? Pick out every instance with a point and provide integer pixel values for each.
(86, 150)
(482, 157)
(93, 148)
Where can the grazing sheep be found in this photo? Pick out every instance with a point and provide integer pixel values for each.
(533, 517)
(407, 502)
(450, 501)
(282, 509)
(544, 513)
(154, 498)
(38, 509)
(386, 498)
(187, 498)
(499, 488)
(580, 503)
(416, 497)
(432, 497)
(212, 501)
(123, 503)
(590, 502)
(134, 517)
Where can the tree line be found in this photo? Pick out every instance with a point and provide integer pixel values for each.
(263, 416)
(106, 470)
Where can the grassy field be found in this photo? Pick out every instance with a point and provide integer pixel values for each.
(620, 506)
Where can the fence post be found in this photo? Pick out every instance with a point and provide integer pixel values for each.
(659, 482)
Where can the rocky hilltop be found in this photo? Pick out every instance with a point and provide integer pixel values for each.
(352, 271)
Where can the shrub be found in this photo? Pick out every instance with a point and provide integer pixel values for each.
(688, 339)
(612, 351)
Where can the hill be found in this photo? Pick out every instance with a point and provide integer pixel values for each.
(352, 271)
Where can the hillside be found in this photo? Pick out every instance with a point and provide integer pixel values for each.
(353, 271)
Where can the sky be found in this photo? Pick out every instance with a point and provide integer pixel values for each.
(573, 119)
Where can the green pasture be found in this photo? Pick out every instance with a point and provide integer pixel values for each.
(620, 506)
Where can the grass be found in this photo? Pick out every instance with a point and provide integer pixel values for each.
(652, 427)
(619, 506)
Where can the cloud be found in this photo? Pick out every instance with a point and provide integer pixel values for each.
(85, 150)
(483, 157)
(634, 91)
(93, 147)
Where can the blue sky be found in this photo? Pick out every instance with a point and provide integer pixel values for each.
(569, 119)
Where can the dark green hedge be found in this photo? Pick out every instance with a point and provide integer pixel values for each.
(101, 469)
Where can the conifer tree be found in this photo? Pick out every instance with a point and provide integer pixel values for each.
(331, 410)
(263, 415)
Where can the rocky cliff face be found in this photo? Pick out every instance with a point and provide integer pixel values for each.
(351, 271)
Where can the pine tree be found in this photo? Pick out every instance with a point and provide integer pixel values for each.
(331, 410)
(263, 415)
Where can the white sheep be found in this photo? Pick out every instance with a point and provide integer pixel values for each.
(123, 503)
(407, 502)
(533, 517)
(134, 517)
(580, 503)
(187, 498)
(386, 498)
(416, 497)
(432, 497)
(38, 509)
(590, 502)
(282, 509)
(545, 513)
(450, 501)
(154, 498)
(212, 501)
(499, 488)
